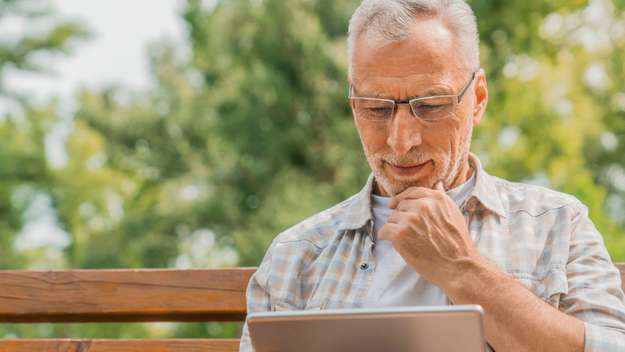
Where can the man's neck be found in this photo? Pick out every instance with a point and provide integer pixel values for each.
(465, 173)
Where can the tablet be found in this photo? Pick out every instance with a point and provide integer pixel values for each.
(401, 329)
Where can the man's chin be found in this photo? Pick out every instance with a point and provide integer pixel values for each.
(393, 186)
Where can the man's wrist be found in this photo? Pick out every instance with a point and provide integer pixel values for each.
(474, 280)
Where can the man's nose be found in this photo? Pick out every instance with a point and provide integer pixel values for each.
(404, 131)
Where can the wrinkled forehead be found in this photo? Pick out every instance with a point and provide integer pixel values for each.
(428, 52)
(425, 62)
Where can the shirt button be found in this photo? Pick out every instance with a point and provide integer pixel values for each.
(364, 266)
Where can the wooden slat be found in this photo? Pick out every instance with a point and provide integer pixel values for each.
(128, 295)
(621, 268)
(123, 295)
(105, 345)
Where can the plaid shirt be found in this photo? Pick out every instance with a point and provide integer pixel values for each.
(542, 238)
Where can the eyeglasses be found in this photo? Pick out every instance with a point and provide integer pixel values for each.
(432, 108)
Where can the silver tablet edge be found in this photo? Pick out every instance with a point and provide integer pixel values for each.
(368, 311)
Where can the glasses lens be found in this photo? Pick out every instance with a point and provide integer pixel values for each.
(373, 109)
(435, 108)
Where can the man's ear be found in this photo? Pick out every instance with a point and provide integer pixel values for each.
(481, 96)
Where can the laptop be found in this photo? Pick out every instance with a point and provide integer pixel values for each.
(397, 329)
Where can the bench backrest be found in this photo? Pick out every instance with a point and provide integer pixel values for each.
(126, 296)
(122, 296)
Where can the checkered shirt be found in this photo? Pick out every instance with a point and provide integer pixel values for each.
(542, 238)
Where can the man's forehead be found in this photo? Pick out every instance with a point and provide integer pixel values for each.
(428, 50)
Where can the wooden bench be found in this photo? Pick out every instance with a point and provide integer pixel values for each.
(144, 295)
(125, 296)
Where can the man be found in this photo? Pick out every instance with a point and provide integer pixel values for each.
(431, 226)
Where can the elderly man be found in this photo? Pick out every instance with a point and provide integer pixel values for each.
(431, 227)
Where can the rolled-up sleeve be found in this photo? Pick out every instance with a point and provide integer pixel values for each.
(258, 300)
(594, 294)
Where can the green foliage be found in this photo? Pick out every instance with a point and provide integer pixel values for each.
(541, 94)
(23, 53)
(23, 168)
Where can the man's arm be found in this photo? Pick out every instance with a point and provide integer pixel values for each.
(594, 305)
(430, 233)
(257, 296)
(515, 319)
(594, 288)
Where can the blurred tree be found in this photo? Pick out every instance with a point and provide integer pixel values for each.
(23, 169)
(554, 115)
(252, 132)
(248, 137)
(23, 49)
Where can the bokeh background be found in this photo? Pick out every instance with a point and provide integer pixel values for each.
(238, 127)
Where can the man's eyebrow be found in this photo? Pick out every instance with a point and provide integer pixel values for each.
(429, 92)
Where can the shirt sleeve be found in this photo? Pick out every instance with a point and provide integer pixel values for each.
(258, 299)
(594, 294)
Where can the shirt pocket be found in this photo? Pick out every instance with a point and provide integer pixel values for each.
(549, 286)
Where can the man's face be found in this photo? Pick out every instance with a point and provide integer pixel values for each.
(406, 151)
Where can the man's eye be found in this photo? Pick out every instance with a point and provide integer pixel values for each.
(431, 107)
(378, 110)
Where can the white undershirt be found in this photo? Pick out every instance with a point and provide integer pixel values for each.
(394, 282)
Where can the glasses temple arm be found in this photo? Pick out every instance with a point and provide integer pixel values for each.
(466, 88)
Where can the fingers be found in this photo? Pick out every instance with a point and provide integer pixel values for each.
(397, 217)
(388, 231)
(417, 193)
(413, 205)
(410, 193)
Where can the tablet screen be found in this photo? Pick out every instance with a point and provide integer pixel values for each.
(402, 329)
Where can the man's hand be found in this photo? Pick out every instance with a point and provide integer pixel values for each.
(430, 233)
(428, 230)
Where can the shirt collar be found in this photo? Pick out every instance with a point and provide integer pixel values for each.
(358, 208)
(485, 189)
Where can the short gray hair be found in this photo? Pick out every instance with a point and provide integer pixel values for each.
(391, 19)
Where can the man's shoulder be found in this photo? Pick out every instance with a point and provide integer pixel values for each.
(319, 228)
(533, 199)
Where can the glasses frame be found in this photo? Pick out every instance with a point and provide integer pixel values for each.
(457, 99)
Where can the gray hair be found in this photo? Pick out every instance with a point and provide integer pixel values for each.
(391, 20)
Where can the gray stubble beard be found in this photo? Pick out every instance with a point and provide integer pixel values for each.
(452, 169)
